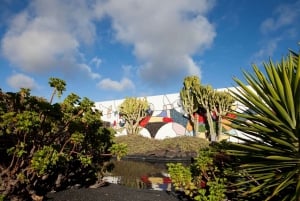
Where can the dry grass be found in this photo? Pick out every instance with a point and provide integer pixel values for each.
(138, 144)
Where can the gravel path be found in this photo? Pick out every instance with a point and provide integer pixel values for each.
(111, 192)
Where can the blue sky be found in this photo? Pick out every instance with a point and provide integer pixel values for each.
(111, 49)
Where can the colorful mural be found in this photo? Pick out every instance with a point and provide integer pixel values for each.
(166, 118)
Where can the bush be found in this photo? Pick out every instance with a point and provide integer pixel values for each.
(145, 145)
(119, 150)
(46, 146)
(205, 179)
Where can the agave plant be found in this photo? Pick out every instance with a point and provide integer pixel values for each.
(270, 153)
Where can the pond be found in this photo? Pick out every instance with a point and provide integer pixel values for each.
(140, 174)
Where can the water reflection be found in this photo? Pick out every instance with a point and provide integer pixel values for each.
(139, 174)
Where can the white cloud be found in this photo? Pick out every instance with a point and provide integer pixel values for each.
(165, 34)
(87, 69)
(96, 61)
(284, 15)
(47, 36)
(267, 51)
(38, 51)
(108, 84)
(284, 19)
(19, 80)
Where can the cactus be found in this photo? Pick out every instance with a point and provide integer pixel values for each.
(195, 96)
(205, 96)
(221, 105)
(188, 100)
(133, 110)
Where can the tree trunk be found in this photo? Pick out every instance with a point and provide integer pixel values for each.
(128, 130)
(132, 127)
(196, 124)
(136, 129)
(52, 96)
(219, 126)
(212, 132)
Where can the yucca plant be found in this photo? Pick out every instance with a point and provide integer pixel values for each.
(270, 152)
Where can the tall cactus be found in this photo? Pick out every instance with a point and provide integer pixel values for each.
(133, 110)
(205, 96)
(195, 96)
(188, 100)
(221, 105)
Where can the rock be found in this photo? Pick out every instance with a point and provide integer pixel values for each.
(171, 154)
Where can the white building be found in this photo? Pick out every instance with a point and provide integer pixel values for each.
(168, 118)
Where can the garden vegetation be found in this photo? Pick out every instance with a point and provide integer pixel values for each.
(45, 146)
(266, 165)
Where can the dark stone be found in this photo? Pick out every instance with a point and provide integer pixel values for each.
(111, 192)
(171, 154)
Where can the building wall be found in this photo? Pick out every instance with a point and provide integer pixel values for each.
(168, 118)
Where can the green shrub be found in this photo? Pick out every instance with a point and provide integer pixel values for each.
(203, 180)
(145, 145)
(119, 150)
(47, 146)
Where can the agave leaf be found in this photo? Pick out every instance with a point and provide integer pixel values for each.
(297, 195)
(256, 189)
(278, 84)
(256, 103)
(269, 71)
(248, 147)
(280, 158)
(264, 170)
(288, 180)
(289, 97)
(270, 152)
(297, 74)
(256, 86)
(283, 113)
(284, 143)
(267, 148)
(261, 128)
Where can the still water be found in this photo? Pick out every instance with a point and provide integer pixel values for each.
(139, 174)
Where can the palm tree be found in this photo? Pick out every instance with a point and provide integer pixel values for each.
(270, 153)
(59, 86)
